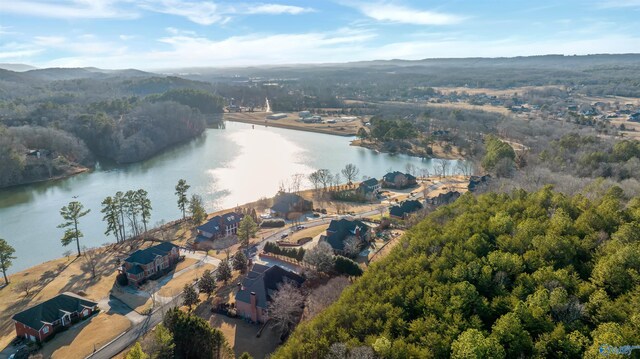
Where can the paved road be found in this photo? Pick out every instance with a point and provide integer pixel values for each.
(138, 329)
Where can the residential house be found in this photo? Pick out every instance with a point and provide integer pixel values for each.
(405, 209)
(398, 180)
(257, 288)
(220, 226)
(285, 203)
(369, 188)
(476, 182)
(145, 263)
(635, 117)
(339, 230)
(443, 198)
(51, 316)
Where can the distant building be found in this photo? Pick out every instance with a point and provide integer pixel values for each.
(635, 117)
(257, 288)
(443, 198)
(304, 114)
(285, 203)
(405, 209)
(145, 263)
(339, 230)
(220, 226)
(476, 182)
(276, 116)
(52, 316)
(398, 180)
(369, 188)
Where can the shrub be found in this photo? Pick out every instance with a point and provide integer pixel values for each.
(272, 223)
(346, 266)
(296, 254)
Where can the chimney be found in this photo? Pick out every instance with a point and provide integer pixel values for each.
(254, 308)
(239, 286)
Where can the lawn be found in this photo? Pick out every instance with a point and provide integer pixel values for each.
(242, 336)
(175, 285)
(79, 340)
(308, 232)
(185, 263)
(53, 277)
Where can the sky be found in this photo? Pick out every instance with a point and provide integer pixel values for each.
(160, 34)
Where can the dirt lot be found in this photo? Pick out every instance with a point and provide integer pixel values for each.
(342, 128)
(79, 341)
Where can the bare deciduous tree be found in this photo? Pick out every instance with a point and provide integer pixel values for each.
(286, 306)
(91, 259)
(26, 286)
(350, 173)
(352, 245)
(323, 296)
(320, 257)
(442, 166)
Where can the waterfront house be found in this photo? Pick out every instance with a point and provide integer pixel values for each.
(369, 188)
(257, 288)
(443, 198)
(51, 316)
(398, 180)
(224, 225)
(403, 210)
(285, 203)
(145, 263)
(339, 230)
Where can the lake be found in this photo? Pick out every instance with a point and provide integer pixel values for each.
(227, 167)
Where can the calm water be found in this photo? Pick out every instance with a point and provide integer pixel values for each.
(226, 167)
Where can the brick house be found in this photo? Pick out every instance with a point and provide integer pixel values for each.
(398, 180)
(255, 291)
(49, 317)
(285, 203)
(144, 263)
(339, 230)
(369, 188)
(219, 226)
(403, 210)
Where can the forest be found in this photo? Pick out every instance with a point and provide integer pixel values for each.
(68, 124)
(539, 274)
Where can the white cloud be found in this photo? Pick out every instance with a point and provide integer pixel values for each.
(68, 9)
(126, 37)
(208, 13)
(18, 52)
(388, 12)
(275, 9)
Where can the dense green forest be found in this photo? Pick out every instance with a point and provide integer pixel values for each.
(538, 274)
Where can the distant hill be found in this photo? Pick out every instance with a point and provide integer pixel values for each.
(53, 74)
(16, 67)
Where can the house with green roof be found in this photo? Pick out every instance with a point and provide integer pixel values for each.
(145, 263)
(51, 316)
(340, 230)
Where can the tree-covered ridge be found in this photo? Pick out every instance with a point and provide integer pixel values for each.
(527, 274)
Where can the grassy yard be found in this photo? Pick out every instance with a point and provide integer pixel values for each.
(242, 336)
(175, 285)
(308, 232)
(79, 341)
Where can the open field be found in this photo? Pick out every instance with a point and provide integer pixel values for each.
(492, 92)
(53, 277)
(258, 118)
(79, 340)
(175, 285)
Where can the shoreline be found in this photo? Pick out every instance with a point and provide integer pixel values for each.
(375, 146)
(76, 171)
(265, 123)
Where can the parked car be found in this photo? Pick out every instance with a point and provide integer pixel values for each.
(284, 236)
(300, 227)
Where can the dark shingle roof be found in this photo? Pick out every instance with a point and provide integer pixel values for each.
(49, 311)
(136, 269)
(339, 230)
(405, 207)
(148, 255)
(370, 182)
(391, 176)
(264, 282)
(213, 225)
(284, 202)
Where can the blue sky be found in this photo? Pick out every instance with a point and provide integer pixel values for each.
(156, 34)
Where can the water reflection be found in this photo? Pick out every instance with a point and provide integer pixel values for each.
(229, 166)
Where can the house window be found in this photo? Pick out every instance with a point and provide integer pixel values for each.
(45, 330)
